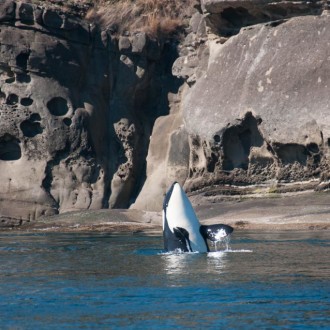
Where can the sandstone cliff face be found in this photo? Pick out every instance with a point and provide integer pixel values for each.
(254, 107)
(274, 96)
(77, 108)
(259, 112)
(90, 121)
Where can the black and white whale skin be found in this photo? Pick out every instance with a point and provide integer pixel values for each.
(182, 231)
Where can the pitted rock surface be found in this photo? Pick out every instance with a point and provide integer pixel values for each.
(77, 110)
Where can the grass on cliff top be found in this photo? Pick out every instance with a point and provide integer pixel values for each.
(158, 18)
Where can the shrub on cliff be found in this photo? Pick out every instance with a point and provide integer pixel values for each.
(158, 18)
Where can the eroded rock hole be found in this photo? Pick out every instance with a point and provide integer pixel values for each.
(2, 96)
(31, 127)
(26, 101)
(237, 17)
(26, 14)
(12, 99)
(291, 153)
(35, 117)
(23, 78)
(52, 19)
(9, 148)
(22, 60)
(212, 161)
(313, 148)
(237, 142)
(67, 121)
(10, 80)
(58, 106)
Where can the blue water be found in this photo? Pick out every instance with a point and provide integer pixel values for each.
(94, 281)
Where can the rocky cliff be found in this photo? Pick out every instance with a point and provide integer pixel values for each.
(254, 109)
(90, 120)
(77, 110)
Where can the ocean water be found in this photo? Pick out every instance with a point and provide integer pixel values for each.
(261, 280)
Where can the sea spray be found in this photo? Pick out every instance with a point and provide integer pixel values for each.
(221, 243)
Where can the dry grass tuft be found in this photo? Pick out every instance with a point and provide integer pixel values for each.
(158, 18)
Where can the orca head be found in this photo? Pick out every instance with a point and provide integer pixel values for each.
(215, 232)
(181, 228)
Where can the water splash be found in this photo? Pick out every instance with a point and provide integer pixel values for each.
(221, 243)
(176, 252)
(239, 251)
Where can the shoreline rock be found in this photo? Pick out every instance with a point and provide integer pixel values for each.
(303, 211)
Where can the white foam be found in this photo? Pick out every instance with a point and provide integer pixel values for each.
(222, 242)
(213, 254)
(216, 254)
(219, 254)
(221, 233)
(176, 252)
(239, 251)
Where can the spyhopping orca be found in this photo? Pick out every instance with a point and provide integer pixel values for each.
(181, 228)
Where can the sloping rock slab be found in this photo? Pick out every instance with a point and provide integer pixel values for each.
(116, 221)
(279, 74)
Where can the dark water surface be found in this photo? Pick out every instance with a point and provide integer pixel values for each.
(92, 281)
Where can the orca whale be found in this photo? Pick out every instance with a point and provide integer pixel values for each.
(181, 228)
